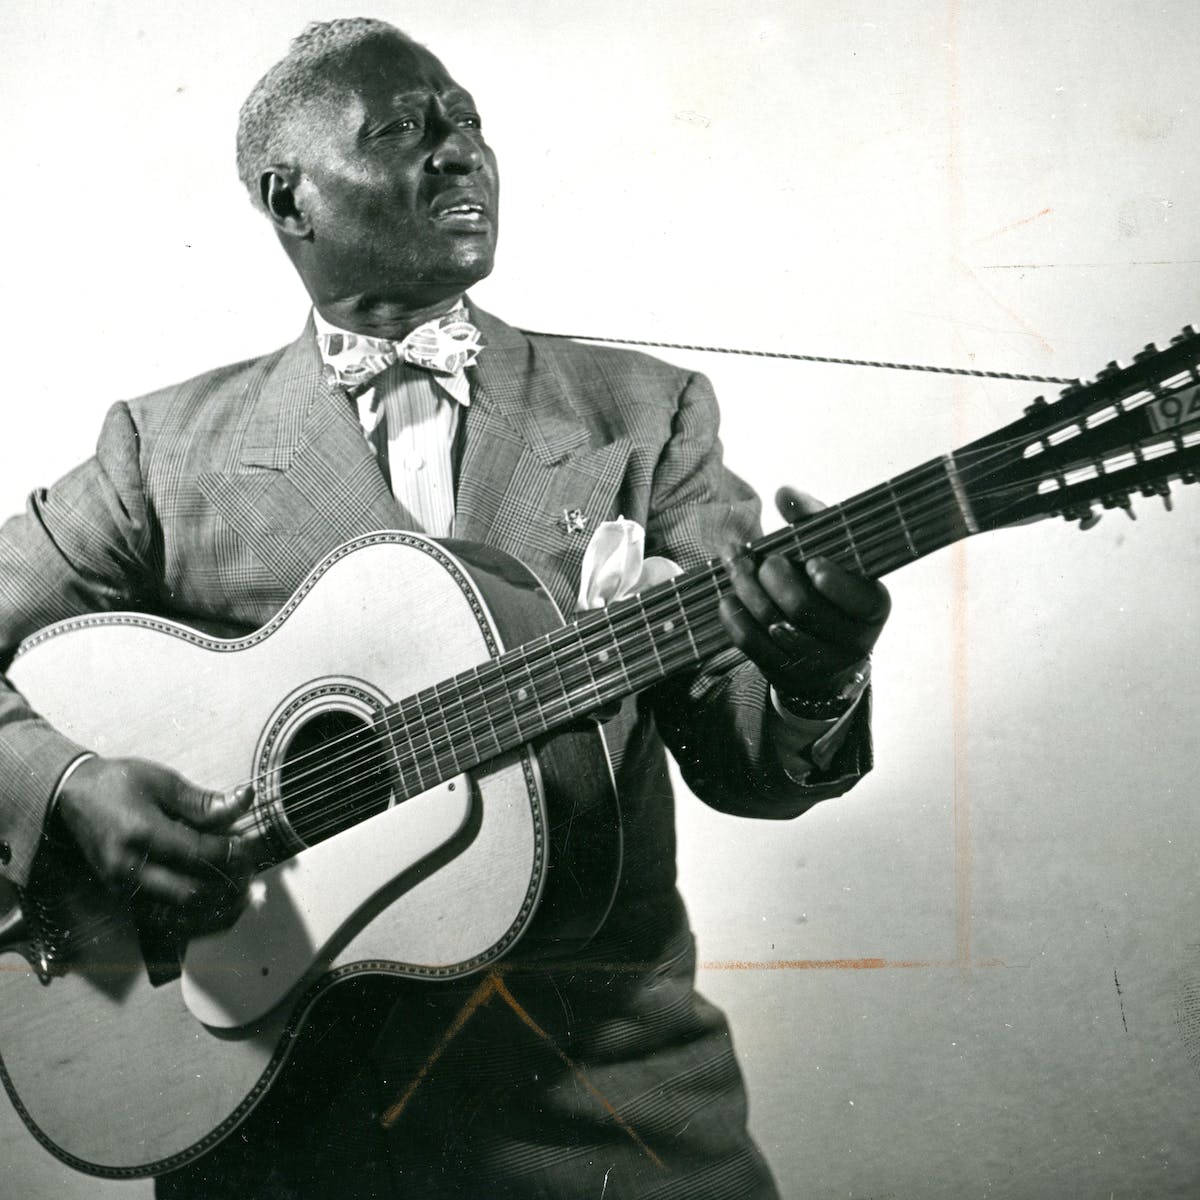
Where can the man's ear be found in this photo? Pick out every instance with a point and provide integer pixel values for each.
(279, 189)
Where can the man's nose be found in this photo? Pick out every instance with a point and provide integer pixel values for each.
(456, 153)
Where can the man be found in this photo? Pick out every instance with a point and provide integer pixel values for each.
(210, 501)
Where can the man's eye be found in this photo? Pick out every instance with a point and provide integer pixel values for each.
(471, 121)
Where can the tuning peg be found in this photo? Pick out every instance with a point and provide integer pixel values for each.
(1161, 489)
(1148, 351)
(1087, 518)
(1120, 500)
(1188, 331)
(1035, 406)
(1113, 368)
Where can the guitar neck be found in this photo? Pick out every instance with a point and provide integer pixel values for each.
(609, 653)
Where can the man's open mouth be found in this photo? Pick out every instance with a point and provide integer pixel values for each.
(465, 211)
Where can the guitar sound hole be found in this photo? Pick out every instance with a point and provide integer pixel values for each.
(334, 775)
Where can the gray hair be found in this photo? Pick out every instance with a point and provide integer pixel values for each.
(271, 118)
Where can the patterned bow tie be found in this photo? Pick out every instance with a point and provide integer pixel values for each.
(446, 345)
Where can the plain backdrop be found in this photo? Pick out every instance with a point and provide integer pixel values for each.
(979, 973)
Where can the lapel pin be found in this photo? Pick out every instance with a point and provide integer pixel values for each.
(572, 521)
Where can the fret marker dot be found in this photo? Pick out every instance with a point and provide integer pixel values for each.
(668, 626)
(521, 693)
(603, 656)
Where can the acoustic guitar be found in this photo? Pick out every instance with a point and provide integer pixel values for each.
(431, 796)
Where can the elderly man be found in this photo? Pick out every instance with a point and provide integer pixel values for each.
(609, 1071)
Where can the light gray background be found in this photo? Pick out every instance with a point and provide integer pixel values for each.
(922, 976)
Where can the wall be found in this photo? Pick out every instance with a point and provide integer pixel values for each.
(971, 977)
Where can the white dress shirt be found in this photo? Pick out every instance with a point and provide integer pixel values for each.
(421, 413)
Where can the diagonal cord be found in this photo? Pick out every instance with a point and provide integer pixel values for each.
(813, 358)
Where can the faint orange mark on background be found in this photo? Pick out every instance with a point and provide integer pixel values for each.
(842, 964)
(1045, 212)
(494, 985)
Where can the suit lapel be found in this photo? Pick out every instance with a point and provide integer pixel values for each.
(305, 479)
(528, 461)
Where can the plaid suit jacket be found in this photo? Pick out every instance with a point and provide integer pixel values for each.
(208, 502)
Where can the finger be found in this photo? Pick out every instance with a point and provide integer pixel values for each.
(739, 567)
(173, 907)
(157, 884)
(865, 600)
(795, 505)
(199, 854)
(207, 810)
(809, 614)
(749, 636)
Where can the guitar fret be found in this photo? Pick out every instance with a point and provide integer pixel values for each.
(485, 704)
(927, 506)
(960, 492)
(563, 690)
(841, 511)
(460, 701)
(586, 656)
(650, 635)
(527, 691)
(685, 619)
(616, 647)
(427, 730)
(904, 529)
(409, 761)
(507, 696)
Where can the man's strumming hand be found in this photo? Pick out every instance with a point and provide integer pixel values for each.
(156, 839)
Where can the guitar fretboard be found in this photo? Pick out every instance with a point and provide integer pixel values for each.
(612, 652)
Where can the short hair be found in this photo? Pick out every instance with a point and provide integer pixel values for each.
(270, 118)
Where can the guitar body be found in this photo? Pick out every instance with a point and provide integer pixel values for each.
(127, 1058)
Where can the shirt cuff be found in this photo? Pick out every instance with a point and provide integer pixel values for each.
(70, 770)
(824, 737)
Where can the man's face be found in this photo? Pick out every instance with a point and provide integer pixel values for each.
(398, 184)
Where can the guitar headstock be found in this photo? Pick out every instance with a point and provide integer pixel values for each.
(1132, 429)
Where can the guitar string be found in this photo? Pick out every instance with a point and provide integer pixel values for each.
(811, 528)
(582, 680)
(561, 707)
(573, 676)
(709, 620)
(811, 531)
(334, 815)
(575, 688)
(572, 683)
(579, 690)
(998, 450)
(704, 627)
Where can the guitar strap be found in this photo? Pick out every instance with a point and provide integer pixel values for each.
(813, 358)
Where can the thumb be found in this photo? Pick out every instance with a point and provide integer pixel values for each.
(794, 505)
(208, 810)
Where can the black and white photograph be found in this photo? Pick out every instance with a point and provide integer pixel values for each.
(598, 602)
